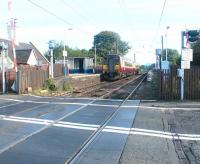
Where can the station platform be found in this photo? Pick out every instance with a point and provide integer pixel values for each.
(75, 76)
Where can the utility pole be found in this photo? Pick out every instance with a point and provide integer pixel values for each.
(161, 54)
(95, 57)
(12, 34)
(51, 47)
(166, 42)
(3, 49)
(64, 55)
(182, 70)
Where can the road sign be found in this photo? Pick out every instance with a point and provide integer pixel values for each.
(158, 52)
(165, 65)
(185, 64)
(187, 54)
(65, 53)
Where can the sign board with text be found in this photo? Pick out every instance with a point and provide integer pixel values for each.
(185, 64)
(187, 54)
(165, 64)
(65, 53)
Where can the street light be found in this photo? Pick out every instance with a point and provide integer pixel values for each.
(51, 47)
(3, 48)
(64, 55)
(66, 67)
(95, 58)
(168, 27)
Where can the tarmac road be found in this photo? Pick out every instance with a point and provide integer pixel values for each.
(154, 148)
(50, 130)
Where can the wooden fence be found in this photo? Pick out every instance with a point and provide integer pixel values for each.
(58, 70)
(31, 77)
(192, 83)
(170, 84)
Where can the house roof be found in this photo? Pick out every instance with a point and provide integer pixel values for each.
(23, 52)
(23, 55)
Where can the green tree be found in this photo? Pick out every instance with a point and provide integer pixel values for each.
(172, 56)
(107, 42)
(196, 53)
(58, 52)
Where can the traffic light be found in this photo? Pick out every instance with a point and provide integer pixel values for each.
(193, 35)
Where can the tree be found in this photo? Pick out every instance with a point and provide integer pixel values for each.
(196, 53)
(172, 56)
(58, 52)
(108, 42)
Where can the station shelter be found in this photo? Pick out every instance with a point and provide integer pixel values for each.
(80, 65)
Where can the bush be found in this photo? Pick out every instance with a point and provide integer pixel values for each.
(66, 86)
(49, 84)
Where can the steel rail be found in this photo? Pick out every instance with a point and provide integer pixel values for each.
(85, 145)
(99, 86)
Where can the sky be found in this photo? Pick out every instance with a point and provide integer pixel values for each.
(75, 22)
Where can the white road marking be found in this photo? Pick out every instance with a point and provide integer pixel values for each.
(63, 98)
(109, 129)
(78, 124)
(171, 108)
(58, 103)
(41, 129)
(152, 133)
(5, 106)
(74, 127)
(48, 122)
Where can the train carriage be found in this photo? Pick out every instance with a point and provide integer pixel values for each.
(115, 67)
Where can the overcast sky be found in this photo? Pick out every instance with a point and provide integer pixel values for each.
(137, 21)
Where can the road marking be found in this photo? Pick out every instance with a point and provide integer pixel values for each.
(47, 125)
(78, 124)
(110, 129)
(5, 106)
(168, 108)
(60, 103)
(152, 133)
(63, 98)
(75, 127)
(47, 122)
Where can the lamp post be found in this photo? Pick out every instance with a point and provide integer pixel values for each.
(95, 55)
(64, 55)
(65, 62)
(51, 47)
(3, 48)
(95, 58)
(166, 42)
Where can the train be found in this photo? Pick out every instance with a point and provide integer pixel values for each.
(115, 67)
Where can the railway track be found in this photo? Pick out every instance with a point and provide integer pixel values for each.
(95, 134)
(104, 88)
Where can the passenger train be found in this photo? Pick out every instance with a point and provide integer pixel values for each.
(115, 67)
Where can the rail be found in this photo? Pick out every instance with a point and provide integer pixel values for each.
(85, 145)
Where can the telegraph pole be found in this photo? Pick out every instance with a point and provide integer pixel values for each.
(3, 49)
(51, 47)
(95, 57)
(12, 36)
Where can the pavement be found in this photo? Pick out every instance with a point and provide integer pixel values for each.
(52, 130)
(164, 133)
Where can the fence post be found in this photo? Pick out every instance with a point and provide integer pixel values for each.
(18, 81)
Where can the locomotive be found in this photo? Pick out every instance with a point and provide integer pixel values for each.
(115, 67)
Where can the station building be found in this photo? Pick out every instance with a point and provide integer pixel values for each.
(79, 64)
